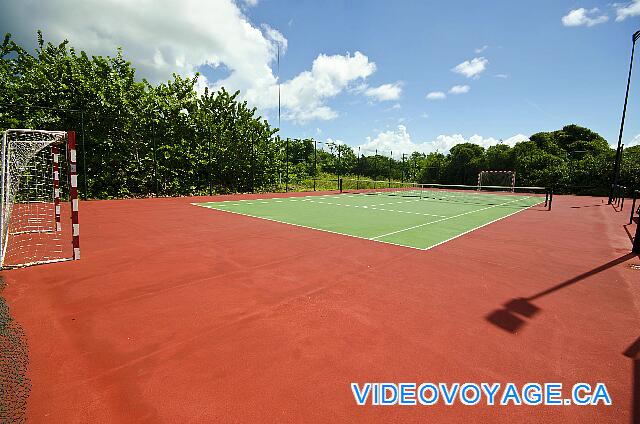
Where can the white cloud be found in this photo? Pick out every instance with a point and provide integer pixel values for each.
(582, 16)
(276, 37)
(424, 115)
(459, 89)
(250, 3)
(304, 96)
(481, 49)
(385, 92)
(634, 142)
(436, 95)
(396, 106)
(471, 68)
(628, 10)
(189, 36)
(399, 141)
(503, 76)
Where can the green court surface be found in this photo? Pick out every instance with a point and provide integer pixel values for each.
(416, 221)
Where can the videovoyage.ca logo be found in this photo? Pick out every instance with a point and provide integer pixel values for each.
(427, 394)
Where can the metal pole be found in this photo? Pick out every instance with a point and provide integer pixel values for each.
(339, 168)
(358, 169)
(155, 161)
(209, 167)
(402, 178)
(636, 239)
(84, 157)
(315, 163)
(286, 154)
(390, 159)
(252, 161)
(633, 206)
(616, 166)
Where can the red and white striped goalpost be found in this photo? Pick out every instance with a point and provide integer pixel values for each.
(73, 193)
(36, 175)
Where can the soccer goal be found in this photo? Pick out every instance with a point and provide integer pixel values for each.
(39, 192)
(497, 180)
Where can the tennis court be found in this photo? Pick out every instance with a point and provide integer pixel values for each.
(416, 216)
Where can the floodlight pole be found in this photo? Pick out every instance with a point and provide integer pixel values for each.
(403, 169)
(155, 160)
(616, 166)
(84, 156)
(390, 160)
(339, 161)
(359, 167)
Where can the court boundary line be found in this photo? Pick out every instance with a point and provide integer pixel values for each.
(203, 205)
(424, 249)
(375, 208)
(483, 225)
(443, 219)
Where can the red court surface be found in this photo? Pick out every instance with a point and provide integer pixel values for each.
(177, 313)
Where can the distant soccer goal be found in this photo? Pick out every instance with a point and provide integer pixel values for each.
(39, 191)
(497, 180)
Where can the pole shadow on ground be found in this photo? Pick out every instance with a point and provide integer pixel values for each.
(511, 317)
(633, 352)
(513, 314)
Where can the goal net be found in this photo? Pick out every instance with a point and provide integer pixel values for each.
(497, 180)
(39, 192)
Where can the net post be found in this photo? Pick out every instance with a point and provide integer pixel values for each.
(340, 184)
(73, 193)
(633, 206)
(636, 239)
(55, 150)
(550, 197)
(624, 193)
(546, 197)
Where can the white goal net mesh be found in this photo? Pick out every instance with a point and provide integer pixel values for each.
(34, 197)
(497, 180)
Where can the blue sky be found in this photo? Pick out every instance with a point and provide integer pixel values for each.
(360, 72)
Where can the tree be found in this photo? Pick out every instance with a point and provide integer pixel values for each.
(499, 158)
(433, 168)
(464, 164)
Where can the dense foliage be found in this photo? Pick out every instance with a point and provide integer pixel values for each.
(139, 139)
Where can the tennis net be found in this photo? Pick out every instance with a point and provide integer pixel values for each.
(488, 195)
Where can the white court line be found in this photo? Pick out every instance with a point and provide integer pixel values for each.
(483, 225)
(372, 207)
(395, 203)
(443, 219)
(376, 209)
(205, 205)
